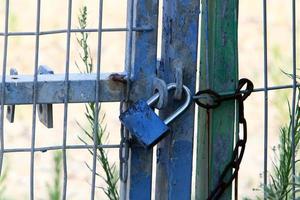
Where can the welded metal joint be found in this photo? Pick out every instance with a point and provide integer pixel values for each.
(10, 112)
(45, 111)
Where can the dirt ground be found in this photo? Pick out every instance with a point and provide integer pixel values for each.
(52, 53)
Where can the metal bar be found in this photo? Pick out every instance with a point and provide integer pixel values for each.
(50, 88)
(97, 106)
(128, 59)
(124, 133)
(95, 30)
(279, 87)
(4, 65)
(51, 148)
(266, 106)
(216, 130)
(179, 49)
(142, 64)
(203, 144)
(206, 43)
(34, 99)
(66, 102)
(294, 49)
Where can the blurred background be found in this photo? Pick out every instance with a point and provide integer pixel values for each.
(21, 51)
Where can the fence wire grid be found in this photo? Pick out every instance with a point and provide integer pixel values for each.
(68, 31)
(129, 30)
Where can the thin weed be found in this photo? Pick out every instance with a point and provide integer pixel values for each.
(110, 176)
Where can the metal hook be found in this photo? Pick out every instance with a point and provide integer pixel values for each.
(45, 111)
(10, 112)
(160, 86)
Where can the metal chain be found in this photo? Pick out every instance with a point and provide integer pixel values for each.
(124, 150)
(213, 100)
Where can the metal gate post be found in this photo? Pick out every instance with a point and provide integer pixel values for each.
(179, 49)
(141, 62)
(218, 71)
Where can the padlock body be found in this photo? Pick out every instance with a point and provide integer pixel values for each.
(143, 123)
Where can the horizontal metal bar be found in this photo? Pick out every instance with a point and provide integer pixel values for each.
(279, 87)
(50, 88)
(59, 31)
(51, 148)
(82, 88)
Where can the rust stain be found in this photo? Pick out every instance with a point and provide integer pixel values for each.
(116, 81)
(118, 78)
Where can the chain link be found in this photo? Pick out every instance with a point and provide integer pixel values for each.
(124, 149)
(213, 100)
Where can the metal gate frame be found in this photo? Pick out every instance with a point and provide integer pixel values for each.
(219, 72)
(179, 48)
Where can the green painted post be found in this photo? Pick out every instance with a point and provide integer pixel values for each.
(217, 127)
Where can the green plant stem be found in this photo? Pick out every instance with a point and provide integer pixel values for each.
(54, 190)
(3, 179)
(280, 179)
(111, 176)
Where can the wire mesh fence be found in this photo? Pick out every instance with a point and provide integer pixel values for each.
(68, 88)
(275, 77)
(276, 98)
(68, 92)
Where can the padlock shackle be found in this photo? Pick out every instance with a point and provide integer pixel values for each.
(181, 109)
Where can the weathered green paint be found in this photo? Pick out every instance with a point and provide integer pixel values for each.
(216, 129)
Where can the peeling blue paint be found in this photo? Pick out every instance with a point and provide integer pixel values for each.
(143, 123)
(179, 45)
(143, 67)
